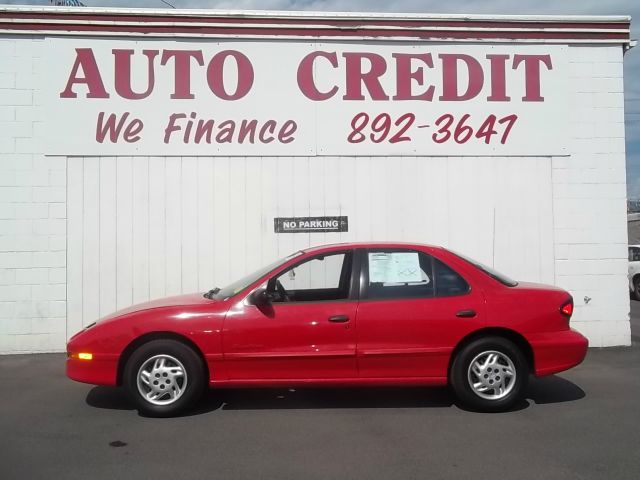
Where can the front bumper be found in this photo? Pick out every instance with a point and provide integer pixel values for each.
(101, 370)
(555, 352)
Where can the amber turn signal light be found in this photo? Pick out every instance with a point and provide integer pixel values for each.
(81, 356)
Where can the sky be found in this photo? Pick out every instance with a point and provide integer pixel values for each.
(521, 7)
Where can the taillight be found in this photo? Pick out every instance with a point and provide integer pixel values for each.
(567, 308)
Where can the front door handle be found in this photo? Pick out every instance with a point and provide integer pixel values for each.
(466, 314)
(339, 319)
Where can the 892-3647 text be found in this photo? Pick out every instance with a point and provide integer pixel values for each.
(448, 128)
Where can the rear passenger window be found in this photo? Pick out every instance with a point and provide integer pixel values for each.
(399, 274)
(410, 274)
(448, 282)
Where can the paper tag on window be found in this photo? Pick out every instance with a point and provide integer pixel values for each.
(395, 267)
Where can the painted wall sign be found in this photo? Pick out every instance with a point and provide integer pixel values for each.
(285, 97)
(310, 224)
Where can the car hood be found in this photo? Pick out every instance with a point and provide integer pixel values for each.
(190, 299)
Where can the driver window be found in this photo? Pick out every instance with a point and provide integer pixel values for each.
(325, 277)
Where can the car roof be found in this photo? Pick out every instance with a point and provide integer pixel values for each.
(349, 245)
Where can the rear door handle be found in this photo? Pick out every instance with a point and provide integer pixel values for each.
(339, 319)
(466, 314)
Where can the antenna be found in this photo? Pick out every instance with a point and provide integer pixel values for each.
(167, 3)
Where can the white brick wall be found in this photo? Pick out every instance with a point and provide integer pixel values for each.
(589, 196)
(32, 211)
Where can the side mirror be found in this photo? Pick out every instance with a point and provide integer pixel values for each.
(261, 297)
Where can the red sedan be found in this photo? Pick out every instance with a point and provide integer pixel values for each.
(338, 315)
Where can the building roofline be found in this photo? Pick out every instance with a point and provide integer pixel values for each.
(187, 23)
(302, 14)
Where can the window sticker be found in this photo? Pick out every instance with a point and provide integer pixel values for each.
(395, 267)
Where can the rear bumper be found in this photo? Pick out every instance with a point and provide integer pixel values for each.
(557, 351)
(102, 370)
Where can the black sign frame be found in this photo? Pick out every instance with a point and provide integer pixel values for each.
(311, 224)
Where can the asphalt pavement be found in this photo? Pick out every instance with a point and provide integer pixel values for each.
(581, 424)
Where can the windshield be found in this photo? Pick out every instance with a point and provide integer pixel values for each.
(239, 285)
(503, 279)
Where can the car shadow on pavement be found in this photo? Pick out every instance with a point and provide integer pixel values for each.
(112, 398)
(336, 398)
(116, 398)
(553, 389)
(541, 391)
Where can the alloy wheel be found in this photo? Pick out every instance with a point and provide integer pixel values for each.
(491, 375)
(162, 380)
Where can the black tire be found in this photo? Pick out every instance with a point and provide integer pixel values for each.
(461, 378)
(636, 287)
(168, 350)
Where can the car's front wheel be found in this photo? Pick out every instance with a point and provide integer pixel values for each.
(489, 374)
(164, 377)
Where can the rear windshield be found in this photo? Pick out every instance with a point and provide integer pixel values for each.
(503, 279)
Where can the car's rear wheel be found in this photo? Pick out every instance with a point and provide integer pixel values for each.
(164, 377)
(489, 374)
